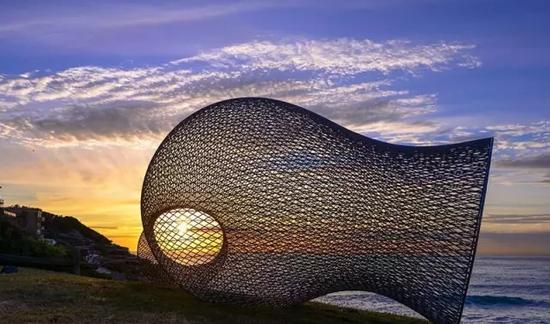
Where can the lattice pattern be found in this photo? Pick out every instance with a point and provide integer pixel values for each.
(187, 236)
(150, 267)
(292, 206)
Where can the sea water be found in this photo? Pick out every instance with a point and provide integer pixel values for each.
(502, 290)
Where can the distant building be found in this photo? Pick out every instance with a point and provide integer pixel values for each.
(7, 213)
(28, 219)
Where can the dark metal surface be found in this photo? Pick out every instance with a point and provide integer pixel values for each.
(257, 201)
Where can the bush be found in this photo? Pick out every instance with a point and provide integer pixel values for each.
(15, 241)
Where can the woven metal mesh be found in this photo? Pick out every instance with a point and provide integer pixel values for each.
(149, 265)
(280, 205)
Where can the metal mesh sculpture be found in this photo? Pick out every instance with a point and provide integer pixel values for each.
(150, 267)
(257, 201)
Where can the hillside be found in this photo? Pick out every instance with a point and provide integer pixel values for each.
(62, 226)
(15, 241)
(44, 297)
(66, 235)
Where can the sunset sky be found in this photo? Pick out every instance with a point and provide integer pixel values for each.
(88, 90)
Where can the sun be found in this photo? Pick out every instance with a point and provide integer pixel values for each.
(187, 236)
(182, 228)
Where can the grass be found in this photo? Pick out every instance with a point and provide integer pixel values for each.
(39, 296)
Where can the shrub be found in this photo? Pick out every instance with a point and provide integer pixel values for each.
(15, 241)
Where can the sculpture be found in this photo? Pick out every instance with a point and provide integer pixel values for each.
(256, 201)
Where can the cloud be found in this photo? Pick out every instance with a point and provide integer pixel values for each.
(522, 137)
(518, 218)
(122, 122)
(101, 186)
(341, 56)
(349, 81)
(105, 106)
(525, 148)
(541, 161)
(103, 227)
(120, 15)
(527, 243)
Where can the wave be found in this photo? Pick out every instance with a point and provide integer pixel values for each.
(489, 300)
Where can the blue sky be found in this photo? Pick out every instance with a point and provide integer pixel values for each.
(88, 89)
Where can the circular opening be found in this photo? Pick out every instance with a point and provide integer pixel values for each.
(187, 236)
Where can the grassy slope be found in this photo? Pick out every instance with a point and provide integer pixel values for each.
(43, 296)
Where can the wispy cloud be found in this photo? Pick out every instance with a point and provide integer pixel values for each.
(518, 218)
(349, 81)
(526, 243)
(342, 56)
(120, 15)
(541, 161)
(102, 106)
(95, 106)
(99, 186)
(523, 138)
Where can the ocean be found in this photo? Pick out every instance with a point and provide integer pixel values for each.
(502, 290)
